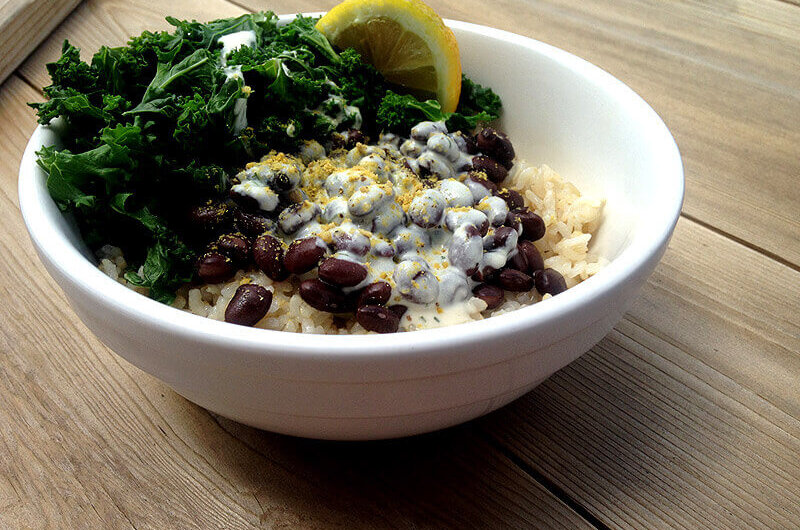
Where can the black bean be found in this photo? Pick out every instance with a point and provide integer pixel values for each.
(268, 253)
(398, 309)
(514, 280)
(377, 318)
(296, 215)
(484, 228)
(493, 171)
(348, 139)
(455, 218)
(324, 297)
(384, 250)
(476, 177)
(249, 305)
(424, 288)
(466, 249)
(491, 294)
(485, 274)
(281, 182)
(501, 235)
(531, 225)
(355, 137)
(338, 141)
(235, 246)
(427, 208)
(471, 144)
(303, 255)
(252, 225)
(245, 201)
(532, 256)
(512, 197)
(527, 259)
(518, 261)
(497, 145)
(342, 272)
(423, 130)
(410, 239)
(211, 216)
(415, 281)
(472, 231)
(356, 243)
(549, 281)
(213, 267)
(377, 293)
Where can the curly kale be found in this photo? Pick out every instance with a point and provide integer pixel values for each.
(399, 112)
(156, 126)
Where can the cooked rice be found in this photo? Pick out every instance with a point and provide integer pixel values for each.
(570, 218)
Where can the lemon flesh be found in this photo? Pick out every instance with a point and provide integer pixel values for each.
(405, 40)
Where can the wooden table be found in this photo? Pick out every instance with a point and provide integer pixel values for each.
(687, 415)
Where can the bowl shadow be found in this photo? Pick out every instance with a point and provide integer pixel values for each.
(451, 477)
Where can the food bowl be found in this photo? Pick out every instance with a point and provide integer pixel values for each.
(559, 110)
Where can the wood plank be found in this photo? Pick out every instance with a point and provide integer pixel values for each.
(24, 24)
(723, 75)
(687, 414)
(91, 441)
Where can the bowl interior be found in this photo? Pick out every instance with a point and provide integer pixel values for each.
(568, 114)
(559, 110)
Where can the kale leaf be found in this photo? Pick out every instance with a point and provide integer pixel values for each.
(398, 113)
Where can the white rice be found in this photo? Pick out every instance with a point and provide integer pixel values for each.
(570, 218)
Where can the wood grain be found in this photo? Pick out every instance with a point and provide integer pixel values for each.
(24, 24)
(687, 415)
(92, 442)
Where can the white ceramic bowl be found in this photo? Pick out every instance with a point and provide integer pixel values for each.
(559, 110)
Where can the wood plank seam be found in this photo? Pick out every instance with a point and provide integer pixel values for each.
(677, 347)
(551, 486)
(613, 339)
(670, 441)
(648, 465)
(764, 252)
(23, 22)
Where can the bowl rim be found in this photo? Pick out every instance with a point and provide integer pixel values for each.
(54, 245)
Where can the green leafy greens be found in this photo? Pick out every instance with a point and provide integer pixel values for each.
(156, 126)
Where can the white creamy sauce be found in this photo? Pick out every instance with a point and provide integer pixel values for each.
(234, 41)
(343, 112)
(420, 316)
(239, 115)
(240, 106)
(266, 198)
(425, 237)
(233, 72)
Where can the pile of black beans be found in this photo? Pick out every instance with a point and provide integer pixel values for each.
(241, 236)
(525, 269)
(244, 238)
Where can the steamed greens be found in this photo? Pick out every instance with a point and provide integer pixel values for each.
(158, 125)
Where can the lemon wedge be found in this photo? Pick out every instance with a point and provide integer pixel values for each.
(405, 40)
